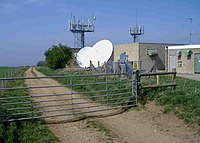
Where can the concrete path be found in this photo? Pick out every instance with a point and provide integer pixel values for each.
(190, 76)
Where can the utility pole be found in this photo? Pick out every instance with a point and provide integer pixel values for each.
(190, 30)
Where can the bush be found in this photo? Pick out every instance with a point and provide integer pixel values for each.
(58, 56)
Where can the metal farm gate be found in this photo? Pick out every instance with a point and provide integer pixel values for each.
(44, 97)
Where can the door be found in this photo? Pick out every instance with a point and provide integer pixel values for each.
(197, 63)
(172, 62)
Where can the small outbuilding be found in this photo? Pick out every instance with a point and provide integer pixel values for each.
(145, 56)
(185, 58)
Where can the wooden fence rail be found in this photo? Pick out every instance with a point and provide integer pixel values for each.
(157, 76)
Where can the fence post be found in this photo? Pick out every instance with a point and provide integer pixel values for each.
(107, 90)
(99, 68)
(105, 67)
(31, 108)
(158, 79)
(3, 82)
(90, 65)
(71, 92)
(1, 86)
(135, 84)
(174, 78)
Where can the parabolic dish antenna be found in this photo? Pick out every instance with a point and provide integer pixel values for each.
(82, 57)
(103, 49)
(101, 52)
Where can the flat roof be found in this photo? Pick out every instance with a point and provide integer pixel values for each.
(185, 47)
(143, 43)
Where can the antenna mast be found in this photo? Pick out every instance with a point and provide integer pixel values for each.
(78, 28)
(136, 31)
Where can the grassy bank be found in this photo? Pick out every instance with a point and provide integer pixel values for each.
(184, 101)
(33, 131)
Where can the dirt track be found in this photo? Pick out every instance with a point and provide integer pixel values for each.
(66, 128)
(148, 125)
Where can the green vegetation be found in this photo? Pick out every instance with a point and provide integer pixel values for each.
(58, 56)
(119, 90)
(7, 72)
(184, 101)
(33, 131)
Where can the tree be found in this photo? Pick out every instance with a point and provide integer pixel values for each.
(41, 63)
(58, 56)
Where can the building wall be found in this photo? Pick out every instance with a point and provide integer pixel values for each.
(184, 64)
(137, 52)
(148, 61)
(130, 49)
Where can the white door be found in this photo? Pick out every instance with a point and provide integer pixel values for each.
(172, 62)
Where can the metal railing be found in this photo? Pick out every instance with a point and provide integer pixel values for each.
(76, 94)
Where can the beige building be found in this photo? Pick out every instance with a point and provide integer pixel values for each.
(145, 56)
(185, 59)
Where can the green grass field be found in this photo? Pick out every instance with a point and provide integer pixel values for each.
(6, 72)
(33, 131)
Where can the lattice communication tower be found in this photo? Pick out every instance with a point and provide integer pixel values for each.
(78, 28)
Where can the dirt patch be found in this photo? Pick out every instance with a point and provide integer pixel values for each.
(150, 125)
(147, 125)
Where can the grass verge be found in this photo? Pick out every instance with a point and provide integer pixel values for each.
(184, 101)
(33, 131)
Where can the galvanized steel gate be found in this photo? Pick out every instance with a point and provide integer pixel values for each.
(81, 94)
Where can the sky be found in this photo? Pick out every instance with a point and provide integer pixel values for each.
(29, 27)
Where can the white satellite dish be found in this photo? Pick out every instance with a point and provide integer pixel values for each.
(82, 56)
(104, 49)
(101, 52)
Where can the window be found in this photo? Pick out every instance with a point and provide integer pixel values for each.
(179, 54)
(188, 53)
